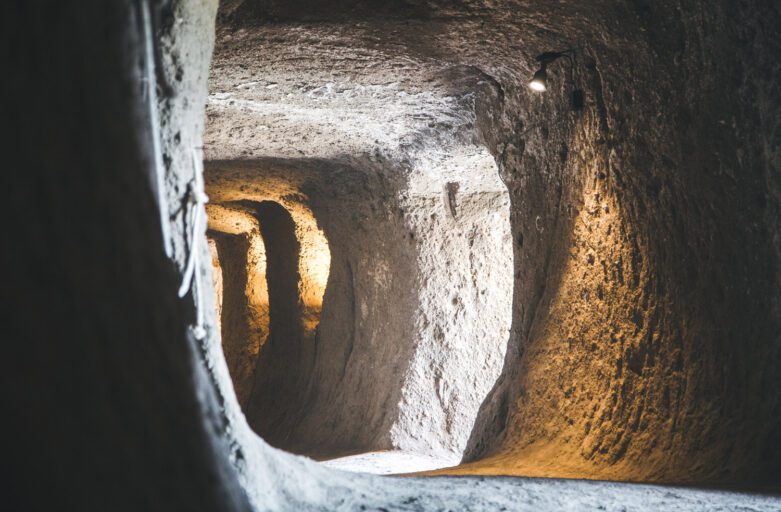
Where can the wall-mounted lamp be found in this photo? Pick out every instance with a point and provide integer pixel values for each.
(539, 81)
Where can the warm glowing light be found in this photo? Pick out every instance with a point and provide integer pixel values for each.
(216, 280)
(539, 82)
(314, 262)
(236, 228)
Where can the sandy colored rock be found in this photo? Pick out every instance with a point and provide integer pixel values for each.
(641, 226)
(644, 230)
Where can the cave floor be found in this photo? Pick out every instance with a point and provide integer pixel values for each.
(389, 462)
(482, 493)
(508, 493)
(443, 492)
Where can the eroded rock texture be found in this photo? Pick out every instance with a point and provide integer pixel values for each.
(369, 370)
(644, 227)
(104, 405)
(644, 341)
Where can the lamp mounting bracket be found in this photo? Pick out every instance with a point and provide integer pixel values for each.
(548, 57)
(539, 81)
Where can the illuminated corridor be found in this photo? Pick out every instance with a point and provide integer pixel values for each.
(392, 255)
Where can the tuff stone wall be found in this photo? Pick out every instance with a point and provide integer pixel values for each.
(392, 347)
(645, 324)
(647, 338)
(114, 406)
(105, 406)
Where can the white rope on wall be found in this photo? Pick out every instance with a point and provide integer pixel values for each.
(197, 199)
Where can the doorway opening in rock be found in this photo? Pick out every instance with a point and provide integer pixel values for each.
(414, 312)
(278, 387)
(269, 271)
(368, 362)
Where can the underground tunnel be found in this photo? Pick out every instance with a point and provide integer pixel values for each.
(333, 315)
(393, 255)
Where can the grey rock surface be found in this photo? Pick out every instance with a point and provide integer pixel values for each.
(644, 327)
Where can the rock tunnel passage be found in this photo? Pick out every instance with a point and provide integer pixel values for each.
(494, 298)
(337, 378)
(643, 231)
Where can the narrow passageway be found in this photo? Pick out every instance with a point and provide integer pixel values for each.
(491, 297)
(417, 310)
(482, 255)
(231, 276)
(372, 354)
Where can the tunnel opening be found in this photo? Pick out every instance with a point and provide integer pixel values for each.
(230, 272)
(268, 281)
(418, 225)
(375, 374)
(470, 219)
(644, 276)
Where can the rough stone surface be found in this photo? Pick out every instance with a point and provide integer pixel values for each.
(387, 327)
(105, 405)
(644, 342)
(645, 333)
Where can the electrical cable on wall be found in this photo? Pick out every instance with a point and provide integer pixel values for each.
(197, 198)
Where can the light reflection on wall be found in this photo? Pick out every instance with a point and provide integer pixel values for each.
(313, 266)
(247, 330)
(216, 280)
(243, 343)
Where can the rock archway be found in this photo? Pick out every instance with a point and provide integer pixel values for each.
(385, 359)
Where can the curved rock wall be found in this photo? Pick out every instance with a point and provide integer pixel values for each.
(107, 406)
(388, 363)
(648, 348)
(645, 326)
(644, 341)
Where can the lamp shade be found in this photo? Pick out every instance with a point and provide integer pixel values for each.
(539, 81)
